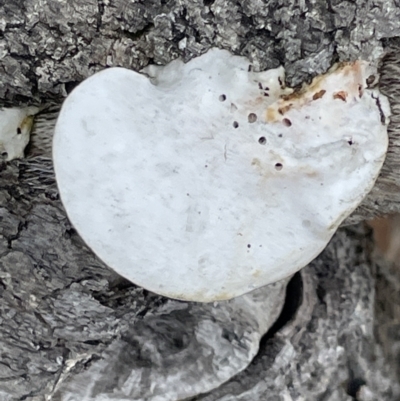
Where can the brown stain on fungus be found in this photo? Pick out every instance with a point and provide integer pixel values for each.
(271, 115)
(27, 123)
(284, 109)
(319, 94)
(256, 162)
(350, 75)
(342, 95)
(312, 174)
(292, 96)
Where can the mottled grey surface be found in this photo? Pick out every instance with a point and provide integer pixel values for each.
(180, 350)
(387, 312)
(62, 310)
(47, 46)
(328, 352)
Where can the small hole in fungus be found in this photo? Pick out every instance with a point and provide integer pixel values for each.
(252, 117)
(278, 166)
(350, 142)
(235, 124)
(4, 154)
(19, 131)
(286, 122)
(250, 68)
(222, 98)
(248, 245)
(262, 140)
(280, 135)
(266, 94)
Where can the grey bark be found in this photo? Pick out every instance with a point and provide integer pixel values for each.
(67, 321)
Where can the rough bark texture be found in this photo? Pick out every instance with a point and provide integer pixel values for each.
(66, 320)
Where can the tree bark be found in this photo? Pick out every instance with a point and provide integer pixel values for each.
(71, 329)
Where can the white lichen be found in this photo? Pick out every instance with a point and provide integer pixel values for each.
(15, 127)
(205, 180)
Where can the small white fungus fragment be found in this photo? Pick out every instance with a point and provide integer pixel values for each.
(205, 180)
(15, 128)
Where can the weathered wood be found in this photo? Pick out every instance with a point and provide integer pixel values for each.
(62, 312)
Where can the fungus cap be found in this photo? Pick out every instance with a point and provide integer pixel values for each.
(205, 180)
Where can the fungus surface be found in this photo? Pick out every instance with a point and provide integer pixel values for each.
(15, 128)
(170, 183)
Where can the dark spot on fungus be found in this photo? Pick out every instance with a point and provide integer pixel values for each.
(280, 82)
(260, 85)
(235, 124)
(286, 122)
(252, 117)
(266, 88)
(378, 104)
(278, 166)
(222, 98)
(284, 109)
(19, 131)
(262, 140)
(249, 68)
(350, 142)
(288, 97)
(319, 94)
(280, 135)
(266, 94)
(360, 91)
(206, 166)
(248, 245)
(370, 80)
(4, 154)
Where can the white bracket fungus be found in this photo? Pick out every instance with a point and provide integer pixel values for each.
(15, 128)
(205, 180)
